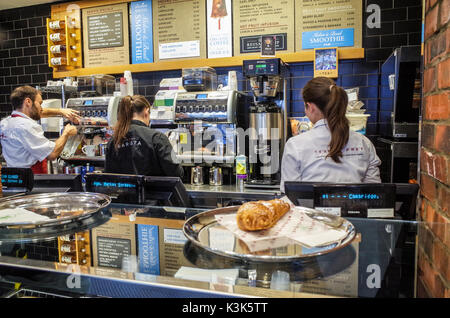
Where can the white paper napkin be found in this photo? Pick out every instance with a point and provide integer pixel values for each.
(20, 215)
(294, 226)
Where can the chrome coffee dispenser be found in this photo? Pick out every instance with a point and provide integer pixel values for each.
(267, 120)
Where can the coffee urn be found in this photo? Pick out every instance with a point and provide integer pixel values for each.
(267, 121)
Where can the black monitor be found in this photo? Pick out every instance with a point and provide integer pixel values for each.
(17, 179)
(57, 183)
(122, 188)
(373, 200)
(166, 191)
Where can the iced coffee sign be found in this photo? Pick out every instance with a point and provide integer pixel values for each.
(220, 32)
(328, 23)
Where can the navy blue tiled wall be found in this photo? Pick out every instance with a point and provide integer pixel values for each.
(352, 73)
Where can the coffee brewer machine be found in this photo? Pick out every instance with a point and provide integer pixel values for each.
(206, 132)
(267, 121)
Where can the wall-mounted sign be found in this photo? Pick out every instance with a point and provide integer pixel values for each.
(105, 35)
(328, 23)
(220, 32)
(179, 29)
(141, 32)
(326, 62)
(256, 18)
(328, 38)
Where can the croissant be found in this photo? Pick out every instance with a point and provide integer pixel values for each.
(260, 215)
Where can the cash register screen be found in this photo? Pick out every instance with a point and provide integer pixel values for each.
(166, 191)
(121, 188)
(368, 200)
(17, 178)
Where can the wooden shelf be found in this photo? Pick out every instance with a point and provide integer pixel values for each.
(306, 56)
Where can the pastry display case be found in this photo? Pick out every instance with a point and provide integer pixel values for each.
(142, 251)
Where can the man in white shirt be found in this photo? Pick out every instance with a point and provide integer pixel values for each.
(22, 138)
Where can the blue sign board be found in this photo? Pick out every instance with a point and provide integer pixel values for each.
(141, 32)
(148, 249)
(328, 38)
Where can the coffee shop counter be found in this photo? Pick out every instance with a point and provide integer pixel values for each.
(141, 251)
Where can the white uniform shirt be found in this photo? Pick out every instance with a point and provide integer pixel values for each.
(304, 158)
(23, 141)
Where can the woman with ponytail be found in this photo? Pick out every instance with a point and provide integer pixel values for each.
(135, 148)
(330, 151)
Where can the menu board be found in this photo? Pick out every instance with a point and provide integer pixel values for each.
(112, 242)
(328, 23)
(106, 39)
(253, 19)
(179, 29)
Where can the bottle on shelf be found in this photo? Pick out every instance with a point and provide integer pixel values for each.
(60, 24)
(60, 37)
(71, 238)
(57, 37)
(57, 25)
(71, 248)
(57, 61)
(57, 49)
(72, 259)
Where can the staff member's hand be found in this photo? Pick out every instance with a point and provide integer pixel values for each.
(71, 114)
(70, 130)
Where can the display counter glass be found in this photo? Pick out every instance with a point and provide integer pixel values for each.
(142, 252)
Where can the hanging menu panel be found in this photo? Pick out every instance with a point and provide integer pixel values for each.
(255, 18)
(105, 35)
(328, 23)
(179, 29)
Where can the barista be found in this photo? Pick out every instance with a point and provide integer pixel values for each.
(137, 149)
(330, 151)
(23, 142)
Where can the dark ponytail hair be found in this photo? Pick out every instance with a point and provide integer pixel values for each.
(332, 100)
(128, 106)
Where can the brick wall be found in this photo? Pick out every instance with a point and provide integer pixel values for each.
(434, 235)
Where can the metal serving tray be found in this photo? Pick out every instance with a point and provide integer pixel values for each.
(68, 213)
(203, 231)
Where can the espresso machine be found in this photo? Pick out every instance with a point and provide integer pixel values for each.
(267, 122)
(206, 122)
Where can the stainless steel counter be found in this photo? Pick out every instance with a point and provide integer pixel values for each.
(230, 189)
